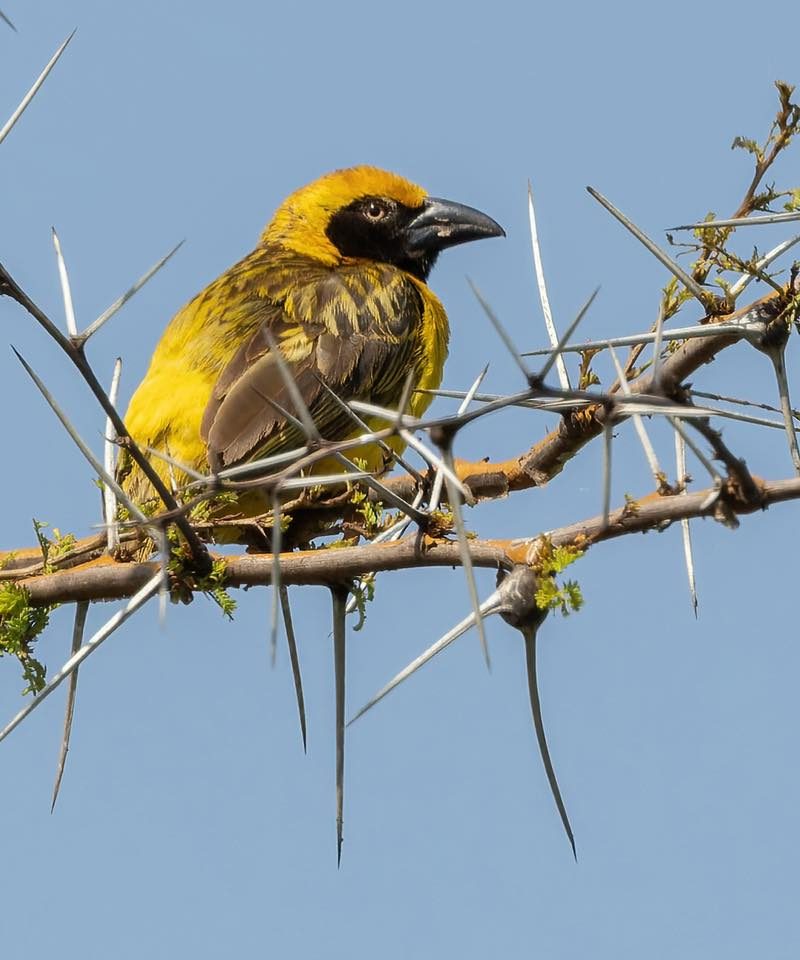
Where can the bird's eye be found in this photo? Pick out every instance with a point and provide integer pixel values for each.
(375, 210)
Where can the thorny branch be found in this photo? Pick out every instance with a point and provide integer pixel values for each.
(83, 571)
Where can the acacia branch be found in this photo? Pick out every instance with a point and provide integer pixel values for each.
(108, 579)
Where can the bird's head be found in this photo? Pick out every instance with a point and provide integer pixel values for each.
(368, 213)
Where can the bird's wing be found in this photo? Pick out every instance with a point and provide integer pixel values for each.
(351, 328)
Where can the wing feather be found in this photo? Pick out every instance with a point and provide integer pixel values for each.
(356, 328)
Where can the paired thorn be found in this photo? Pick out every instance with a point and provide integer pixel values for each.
(81, 610)
(514, 599)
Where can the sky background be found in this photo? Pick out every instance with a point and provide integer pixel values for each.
(190, 823)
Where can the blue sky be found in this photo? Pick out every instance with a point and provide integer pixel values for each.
(190, 823)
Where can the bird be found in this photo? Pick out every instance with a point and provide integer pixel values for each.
(338, 284)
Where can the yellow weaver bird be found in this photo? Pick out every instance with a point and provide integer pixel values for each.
(338, 283)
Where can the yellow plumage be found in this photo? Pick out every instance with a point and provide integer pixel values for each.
(338, 282)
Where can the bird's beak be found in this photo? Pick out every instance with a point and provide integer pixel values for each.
(442, 223)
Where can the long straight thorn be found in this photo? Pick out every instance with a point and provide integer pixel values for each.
(339, 596)
(489, 606)
(777, 355)
(117, 305)
(709, 466)
(659, 334)
(137, 600)
(561, 367)
(741, 221)
(501, 330)
(638, 422)
(559, 347)
(763, 263)
(608, 436)
(294, 659)
(9, 124)
(109, 463)
(81, 609)
(5, 19)
(275, 546)
(163, 567)
(436, 461)
(734, 328)
(438, 480)
(66, 291)
(686, 532)
(538, 724)
(94, 462)
(466, 557)
(689, 282)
